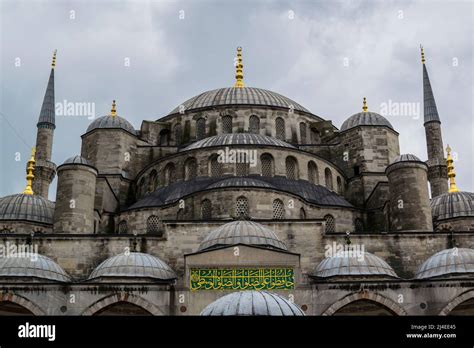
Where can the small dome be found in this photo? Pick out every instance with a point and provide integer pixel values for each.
(452, 205)
(252, 302)
(239, 96)
(238, 139)
(77, 160)
(111, 122)
(350, 264)
(34, 265)
(449, 261)
(26, 207)
(133, 265)
(242, 232)
(365, 119)
(406, 158)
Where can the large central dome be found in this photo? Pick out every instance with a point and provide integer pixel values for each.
(239, 96)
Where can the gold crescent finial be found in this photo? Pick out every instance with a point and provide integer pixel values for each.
(239, 70)
(422, 54)
(364, 107)
(451, 172)
(53, 64)
(113, 111)
(29, 174)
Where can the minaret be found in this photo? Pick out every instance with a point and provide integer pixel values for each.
(45, 169)
(239, 70)
(437, 170)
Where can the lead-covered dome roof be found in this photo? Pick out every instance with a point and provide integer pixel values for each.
(242, 232)
(32, 266)
(77, 160)
(407, 157)
(366, 118)
(111, 122)
(25, 207)
(251, 302)
(133, 265)
(237, 139)
(446, 262)
(349, 263)
(238, 96)
(452, 205)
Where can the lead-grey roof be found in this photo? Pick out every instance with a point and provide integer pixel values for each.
(48, 112)
(348, 264)
(430, 111)
(406, 158)
(134, 265)
(252, 302)
(238, 96)
(111, 122)
(77, 160)
(34, 265)
(449, 261)
(242, 232)
(365, 119)
(314, 194)
(452, 205)
(26, 207)
(237, 139)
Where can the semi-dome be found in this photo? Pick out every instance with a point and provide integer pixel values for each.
(240, 181)
(238, 96)
(34, 266)
(252, 302)
(449, 261)
(26, 207)
(111, 122)
(349, 263)
(406, 158)
(242, 232)
(133, 265)
(238, 139)
(365, 118)
(452, 205)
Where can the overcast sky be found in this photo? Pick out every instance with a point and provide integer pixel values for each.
(325, 55)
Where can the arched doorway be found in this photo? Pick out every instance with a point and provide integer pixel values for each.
(122, 308)
(11, 308)
(364, 308)
(464, 308)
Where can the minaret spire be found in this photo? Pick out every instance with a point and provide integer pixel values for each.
(30, 174)
(437, 170)
(239, 70)
(451, 172)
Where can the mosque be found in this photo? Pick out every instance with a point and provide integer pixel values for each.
(240, 201)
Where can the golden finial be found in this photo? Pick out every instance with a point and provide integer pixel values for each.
(451, 173)
(113, 111)
(29, 174)
(53, 64)
(422, 55)
(239, 67)
(364, 107)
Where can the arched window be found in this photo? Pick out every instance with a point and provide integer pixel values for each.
(315, 136)
(328, 178)
(302, 214)
(215, 168)
(242, 207)
(153, 225)
(303, 132)
(242, 166)
(291, 168)
(206, 209)
(254, 124)
(359, 225)
(280, 128)
(190, 169)
(152, 181)
(122, 227)
(268, 166)
(141, 187)
(313, 173)
(278, 209)
(339, 185)
(180, 214)
(178, 134)
(5, 230)
(330, 223)
(170, 174)
(226, 124)
(164, 137)
(201, 128)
